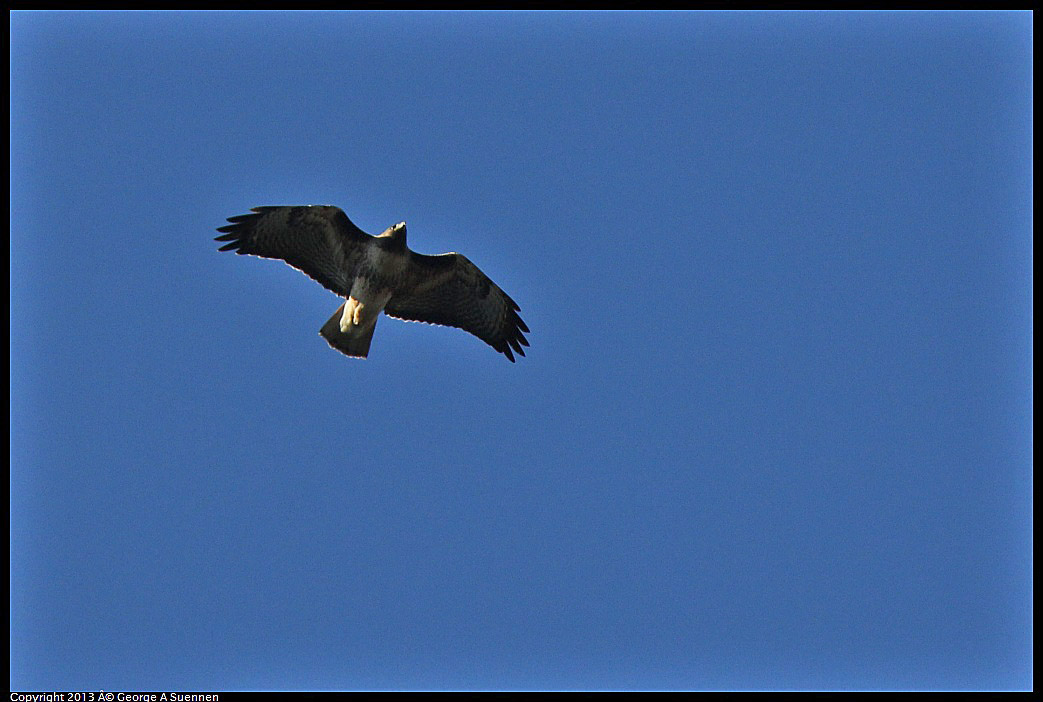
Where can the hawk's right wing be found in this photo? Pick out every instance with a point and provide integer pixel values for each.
(318, 240)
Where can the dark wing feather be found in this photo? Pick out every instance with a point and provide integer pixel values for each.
(318, 240)
(451, 291)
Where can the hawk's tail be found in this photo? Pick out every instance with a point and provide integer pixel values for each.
(354, 342)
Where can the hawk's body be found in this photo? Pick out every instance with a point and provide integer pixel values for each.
(378, 273)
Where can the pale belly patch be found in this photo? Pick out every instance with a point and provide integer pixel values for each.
(364, 305)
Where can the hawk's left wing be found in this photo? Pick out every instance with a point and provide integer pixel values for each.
(451, 291)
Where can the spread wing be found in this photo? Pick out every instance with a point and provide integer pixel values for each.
(318, 240)
(451, 291)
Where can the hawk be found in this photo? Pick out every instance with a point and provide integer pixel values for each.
(375, 273)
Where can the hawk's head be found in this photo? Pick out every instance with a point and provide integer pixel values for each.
(397, 231)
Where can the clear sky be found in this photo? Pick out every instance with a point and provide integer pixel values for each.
(773, 431)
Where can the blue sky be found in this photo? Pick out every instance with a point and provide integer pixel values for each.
(773, 431)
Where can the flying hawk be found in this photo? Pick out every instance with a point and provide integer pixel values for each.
(377, 273)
